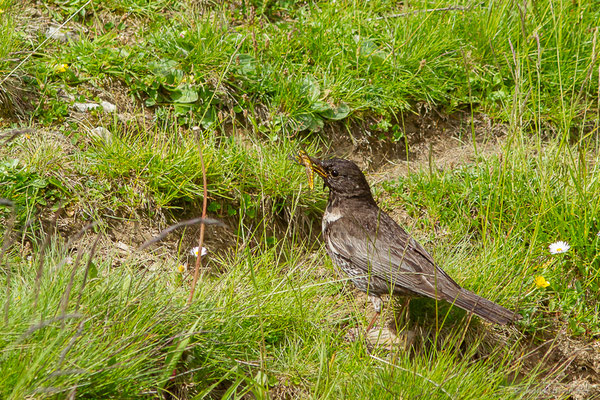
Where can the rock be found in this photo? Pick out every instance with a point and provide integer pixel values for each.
(384, 338)
(123, 248)
(64, 95)
(60, 35)
(108, 107)
(84, 107)
(101, 133)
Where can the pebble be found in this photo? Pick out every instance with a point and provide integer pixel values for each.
(102, 133)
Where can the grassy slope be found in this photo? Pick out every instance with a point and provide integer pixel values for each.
(271, 321)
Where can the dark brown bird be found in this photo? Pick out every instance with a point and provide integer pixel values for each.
(377, 254)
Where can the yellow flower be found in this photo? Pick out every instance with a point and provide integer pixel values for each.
(181, 268)
(60, 68)
(541, 282)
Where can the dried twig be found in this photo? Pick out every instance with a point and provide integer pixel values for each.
(428, 10)
(166, 231)
(205, 190)
(201, 238)
(9, 136)
(6, 243)
(87, 270)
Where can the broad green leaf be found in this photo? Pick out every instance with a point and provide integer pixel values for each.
(338, 113)
(184, 94)
(310, 88)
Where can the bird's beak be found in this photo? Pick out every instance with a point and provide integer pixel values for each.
(311, 165)
(317, 167)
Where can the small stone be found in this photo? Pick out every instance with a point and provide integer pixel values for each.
(384, 338)
(65, 96)
(61, 35)
(108, 107)
(85, 107)
(102, 133)
(123, 247)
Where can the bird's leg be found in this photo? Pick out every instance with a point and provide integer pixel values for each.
(404, 312)
(407, 310)
(377, 304)
(372, 322)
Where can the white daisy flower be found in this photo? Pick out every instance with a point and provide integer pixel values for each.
(559, 247)
(194, 251)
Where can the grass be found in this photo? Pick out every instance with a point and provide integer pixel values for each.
(324, 61)
(155, 171)
(260, 80)
(263, 325)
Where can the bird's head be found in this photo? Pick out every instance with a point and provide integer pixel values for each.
(342, 177)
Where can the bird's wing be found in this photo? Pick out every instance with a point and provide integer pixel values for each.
(383, 249)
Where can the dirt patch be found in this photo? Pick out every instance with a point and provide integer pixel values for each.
(120, 239)
(428, 135)
(571, 367)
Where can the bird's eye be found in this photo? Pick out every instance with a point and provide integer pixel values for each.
(334, 173)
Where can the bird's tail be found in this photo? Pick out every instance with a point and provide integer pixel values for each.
(484, 308)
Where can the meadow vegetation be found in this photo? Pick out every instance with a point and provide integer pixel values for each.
(249, 83)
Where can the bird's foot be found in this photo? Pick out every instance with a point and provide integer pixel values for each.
(375, 317)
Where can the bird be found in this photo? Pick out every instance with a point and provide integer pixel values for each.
(377, 254)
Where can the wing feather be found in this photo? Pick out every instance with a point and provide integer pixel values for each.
(402, 263)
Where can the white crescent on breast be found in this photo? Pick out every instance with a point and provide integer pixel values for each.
(329, 217)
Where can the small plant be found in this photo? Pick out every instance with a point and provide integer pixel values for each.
(28, 190)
